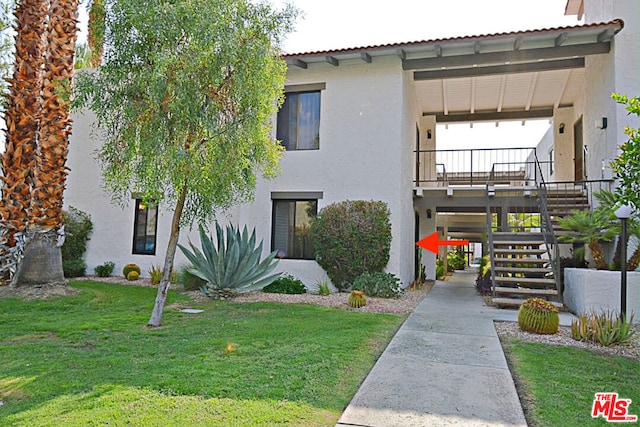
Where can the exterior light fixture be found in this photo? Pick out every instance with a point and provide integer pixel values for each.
(561, 128)
(429, 134)
(623, 213)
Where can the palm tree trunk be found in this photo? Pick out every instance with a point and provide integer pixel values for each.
(634, 261)
(598, 254)
(172, 246)
(97, 15)
(49, 177)
(22, 117)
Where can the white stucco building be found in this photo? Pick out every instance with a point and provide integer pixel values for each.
(366, 123)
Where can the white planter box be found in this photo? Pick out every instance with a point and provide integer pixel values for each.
(587, 290)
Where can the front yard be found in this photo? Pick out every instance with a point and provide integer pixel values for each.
(89, 360)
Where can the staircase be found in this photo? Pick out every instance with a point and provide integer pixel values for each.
(525, 254)
(562, 199)
(521, 269)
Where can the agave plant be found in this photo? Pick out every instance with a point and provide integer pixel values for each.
(233, 262)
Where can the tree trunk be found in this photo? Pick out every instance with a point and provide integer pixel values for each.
(22, 116)
(598, 254)
(163, 286)
(634, 261)
(42, 262)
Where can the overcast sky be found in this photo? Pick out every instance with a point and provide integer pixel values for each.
(335, 24)
(332, 24)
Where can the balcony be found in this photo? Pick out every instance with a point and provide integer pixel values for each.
(476, 167)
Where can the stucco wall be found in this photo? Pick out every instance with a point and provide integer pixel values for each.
(367, 132)
(599, 291)
(365, 153)
(112, 236)
(606, 74)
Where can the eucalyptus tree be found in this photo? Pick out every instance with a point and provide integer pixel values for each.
(183, 100)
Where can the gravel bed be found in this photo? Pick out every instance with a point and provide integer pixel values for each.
(563, 338)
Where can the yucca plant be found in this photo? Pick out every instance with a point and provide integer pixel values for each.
(233, 262)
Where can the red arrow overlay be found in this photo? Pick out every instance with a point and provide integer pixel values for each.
(431, 243)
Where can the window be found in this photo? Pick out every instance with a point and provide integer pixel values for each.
(290, 228)
(144, 229)
(298, 124)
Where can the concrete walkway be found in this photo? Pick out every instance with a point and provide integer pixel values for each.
(445, 366)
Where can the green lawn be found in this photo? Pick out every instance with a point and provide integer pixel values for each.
(558, 384)
(89, 360)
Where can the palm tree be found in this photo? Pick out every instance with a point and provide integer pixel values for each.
(588, 227)
(48, 120)
(97, 14)
(608, 204)
(22, 121)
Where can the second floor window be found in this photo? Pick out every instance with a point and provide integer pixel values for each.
(299, 121)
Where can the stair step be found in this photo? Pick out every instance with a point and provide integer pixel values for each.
(531, 281)
(525, 291)
(515, 302)
(518, 243)
(508, 251)
(541, 270)
(504, 260)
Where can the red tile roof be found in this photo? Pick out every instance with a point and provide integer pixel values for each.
(454, 39)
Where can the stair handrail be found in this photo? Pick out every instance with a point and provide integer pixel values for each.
(546, 227)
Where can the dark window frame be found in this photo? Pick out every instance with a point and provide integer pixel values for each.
(139, 214)
(306, 252)
(284, 126)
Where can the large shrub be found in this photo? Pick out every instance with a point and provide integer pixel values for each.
(351, 238)
(78, 226)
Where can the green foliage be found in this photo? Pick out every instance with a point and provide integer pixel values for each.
(189, 281)
(184, 106)
(133, 275)
(484, 285)
(626, 167)
(606, 328)
(93, 342)
(538, 316)
(155, 273)
(323, 288)
(559, 381)
(286, 284)
(234, 263)
(77, 226)
(357, 299)
(456, 259)
(439, 269)
(105, 269)
(378, 284)
(83, 56)
(129, 268)
(351, 238)
(74, 267)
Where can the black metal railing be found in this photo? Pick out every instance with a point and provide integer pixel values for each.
(475, 167)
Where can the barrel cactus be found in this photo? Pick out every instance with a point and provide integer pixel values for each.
(357, 299)
(133, 275)
(538, 316)
(129, 268)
